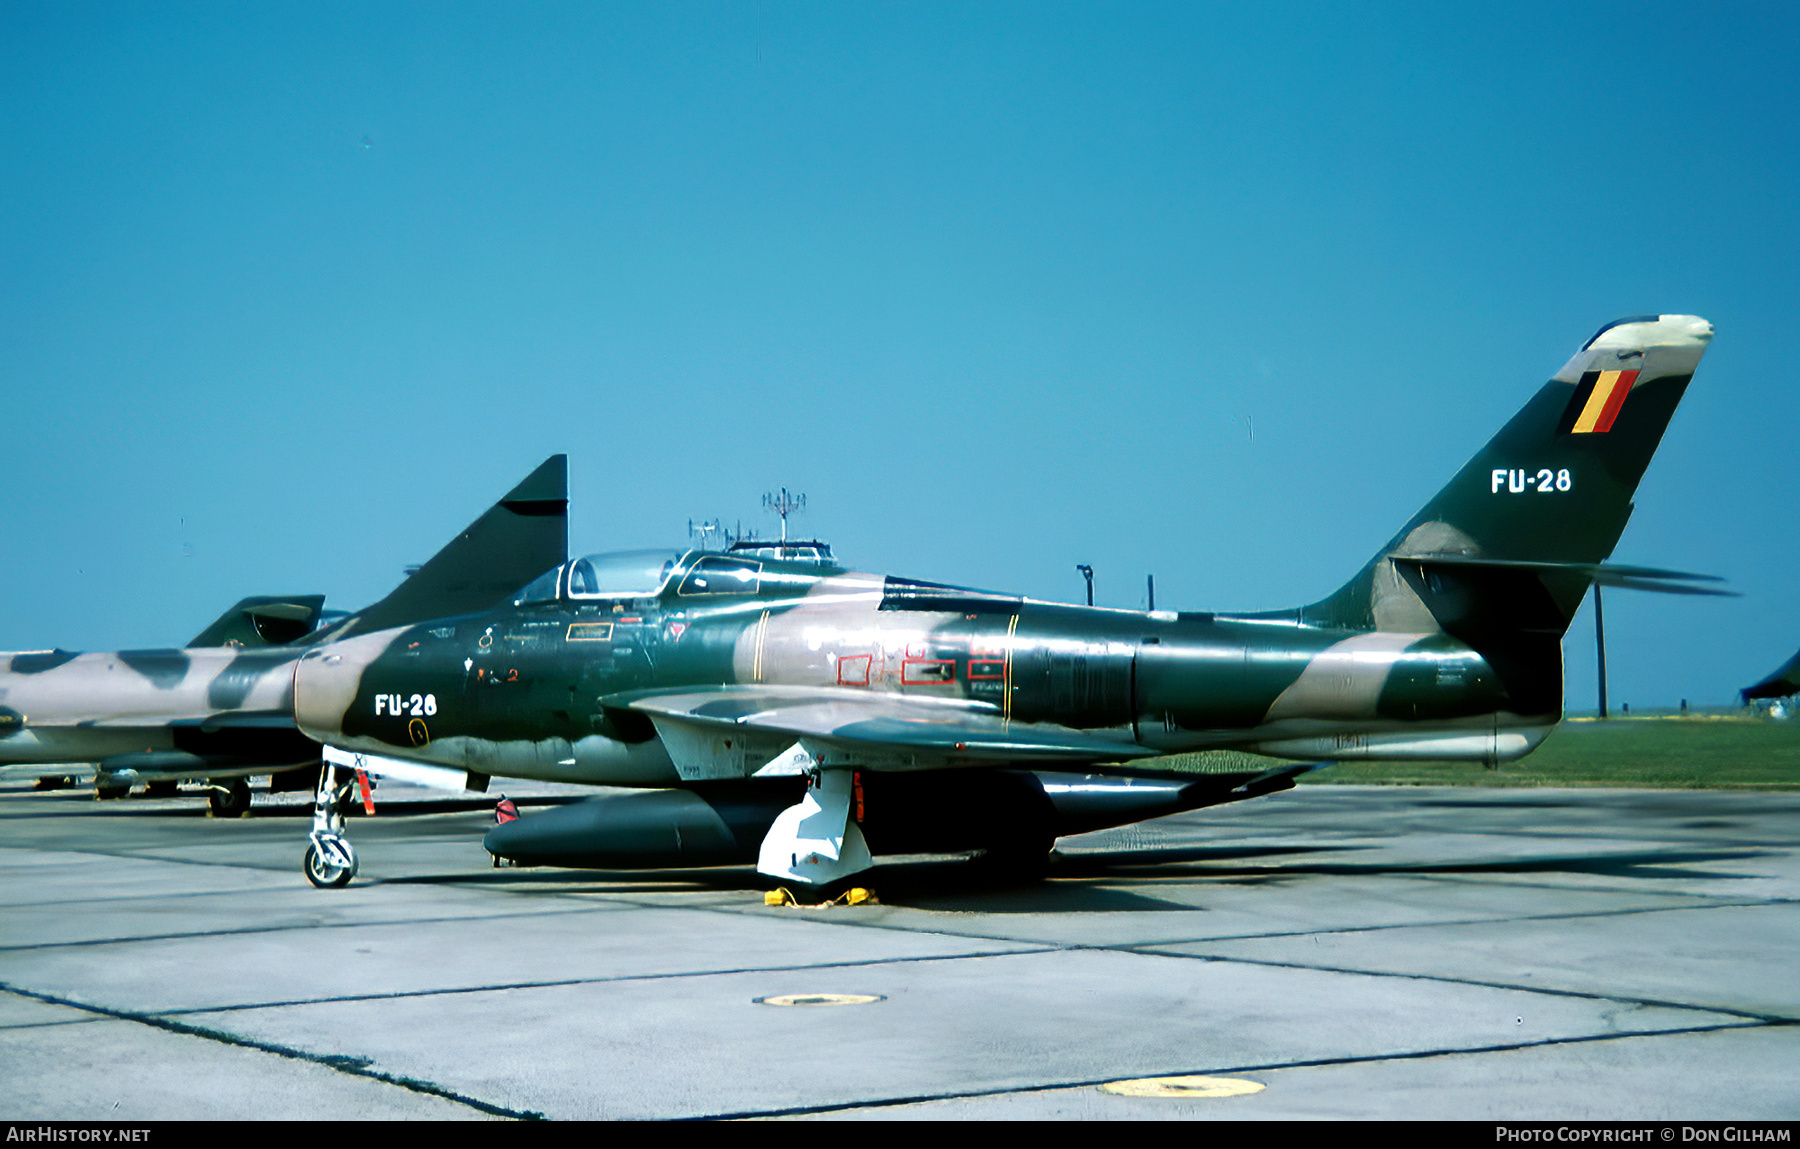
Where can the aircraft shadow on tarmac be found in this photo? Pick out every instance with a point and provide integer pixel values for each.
(937, 884)
(1167, 864)
(1108, 882)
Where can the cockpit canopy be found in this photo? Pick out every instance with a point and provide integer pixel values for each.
(616, 574)
(648, 574)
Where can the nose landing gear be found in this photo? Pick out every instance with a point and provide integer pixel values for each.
(330, 863)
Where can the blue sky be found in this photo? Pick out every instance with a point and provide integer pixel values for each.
(288, 294)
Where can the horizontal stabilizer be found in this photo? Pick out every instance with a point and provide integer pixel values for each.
(1606, 574)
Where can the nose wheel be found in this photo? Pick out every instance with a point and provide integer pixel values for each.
(330, 863)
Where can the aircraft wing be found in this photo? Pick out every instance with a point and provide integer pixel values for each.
(734, 731)
(224, 745)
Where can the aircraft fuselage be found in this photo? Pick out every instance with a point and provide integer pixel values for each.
(544, 690)
(171, 712)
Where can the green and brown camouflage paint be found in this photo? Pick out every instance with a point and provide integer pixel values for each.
(1447, 644)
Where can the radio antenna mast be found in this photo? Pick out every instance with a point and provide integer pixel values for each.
(704, 531)
(784, 503)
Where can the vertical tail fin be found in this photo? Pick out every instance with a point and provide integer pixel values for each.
(520, 537)
(1553, 488)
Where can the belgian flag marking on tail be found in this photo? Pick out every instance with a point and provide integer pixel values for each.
(1596, 403)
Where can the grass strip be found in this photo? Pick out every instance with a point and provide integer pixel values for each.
(1696, 752)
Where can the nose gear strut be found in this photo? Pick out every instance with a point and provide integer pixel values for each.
(330, 862)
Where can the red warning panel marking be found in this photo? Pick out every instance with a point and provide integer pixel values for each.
(927, 671)
(853, 670)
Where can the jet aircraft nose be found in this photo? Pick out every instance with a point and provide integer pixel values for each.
(327, 680)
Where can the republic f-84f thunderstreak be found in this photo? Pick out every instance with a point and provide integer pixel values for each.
(807, 716)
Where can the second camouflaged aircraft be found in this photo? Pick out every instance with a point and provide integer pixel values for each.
(807, 716)
(222, 707)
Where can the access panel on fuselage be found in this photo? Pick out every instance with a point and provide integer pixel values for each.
(1188, 682)
(1081, 684)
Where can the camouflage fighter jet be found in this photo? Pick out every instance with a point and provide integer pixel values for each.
(259, 621)
(807, 716)
(222, 708)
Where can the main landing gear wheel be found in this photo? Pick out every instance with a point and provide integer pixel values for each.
(230, 800)
(325, 874)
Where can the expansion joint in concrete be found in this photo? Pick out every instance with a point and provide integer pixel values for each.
(1222, 1071)
(354, 1066)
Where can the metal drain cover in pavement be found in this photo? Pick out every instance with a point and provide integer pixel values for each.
(821, 999)
(1183, 1087)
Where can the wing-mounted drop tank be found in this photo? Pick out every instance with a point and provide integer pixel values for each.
(1016, 813)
